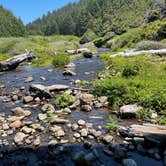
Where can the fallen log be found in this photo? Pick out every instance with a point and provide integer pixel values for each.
(12, 63)
(131, 53)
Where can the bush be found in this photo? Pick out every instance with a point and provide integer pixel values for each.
(150, 45)
(112, 125)
(60, 60)
(129, 71)
(99, 42)
(88, 36)
(64, 100)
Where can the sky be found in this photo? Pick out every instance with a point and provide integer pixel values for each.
(29, 10)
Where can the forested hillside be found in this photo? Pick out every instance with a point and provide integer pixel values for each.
(9, 24)
(101, 16)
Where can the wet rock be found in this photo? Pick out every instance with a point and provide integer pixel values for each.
(27, 99)
(60, 133)
(53, 142)
(69, 72)
(18, 111)
(86, 99)
(16, 124)
(67, 110)
(84, 133)
(74, 127)
(43, 78)
(81, 122)
(75, 104)
(5, 126)
(86, 108)
(40, 90)
(107, 139)
(15, 97)
(56, 120)
(129, 111)
(14, 118)
(77, 81)
(48, 107)
(29, 79)
(27, 130)
(19, 137)
(42, 117)
(87, 145)
(70, 65)
(129, 162)
(37, 141)
(87, 54)
(77, 135)
(57, 87)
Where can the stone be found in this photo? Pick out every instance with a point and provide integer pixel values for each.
(26, 130)
(86, 108)
(103, 99)
(40, 90)
(128, 111)
(60, 133)
(67, 110)
(84, 133)
(53, 142)
(77, 135)
(29, 79)
(74, 127)
(5, 126)
(19, 137)
(48, 107)
(27, 99)
(15, 97)
(42, 117)
(56, 120)
(16, 124)
(87, 145)
(55, 128)
(154, 115)
(87, 54)
(107, 139)
(69, 73)
(43, 78)
(18, 111)
(86, 99)
(77, 81)
(129, 162)
(37, 141)
(57, 87)
(81, 122)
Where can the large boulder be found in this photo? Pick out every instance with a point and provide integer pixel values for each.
(87, 54)
(86, 99)
(128, 111)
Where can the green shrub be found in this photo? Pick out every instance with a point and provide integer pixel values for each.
(88, 36)
(129, 71)
(112, 125)
(64, 100)
(99, 42)
(144, 115)
(60, 60)
(149, 45)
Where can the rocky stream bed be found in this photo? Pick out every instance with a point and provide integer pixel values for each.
(76, 135)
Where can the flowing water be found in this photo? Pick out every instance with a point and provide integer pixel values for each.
(86, 69)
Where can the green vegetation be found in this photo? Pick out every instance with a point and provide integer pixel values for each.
(101, 16)
(64, 100)
(138, 79)
(152, 31)
(10, 25)
(60, 60)
(112, 125)
(45, 48)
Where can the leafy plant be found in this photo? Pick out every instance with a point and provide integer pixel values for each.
(64, 100)
(112, 125)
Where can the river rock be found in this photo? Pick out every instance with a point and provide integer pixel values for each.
(19, 137)
(76, 135)
(60, 133)
(74, 127)
(5, 126)
(107, 139)
(29, 79)
(37, 141)
(48, 107)
(81, 122)
(69, 72)
(87, 54)
(27, 130)
(15, 97)
(43, 78)
(86, 108)
(27, 99)
(16, 124)
(42, 117)
(129, 162)
(57, 87)
(53, 142)
(40, 90)
(18, 111)
(129, 111)
(84, 132)
(56, 120)
(86, 99)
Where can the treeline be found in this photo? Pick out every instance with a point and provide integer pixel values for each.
(10, 25)
(101, 16)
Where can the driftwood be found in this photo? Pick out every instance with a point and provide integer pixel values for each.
(13, 62)
(130, 53)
